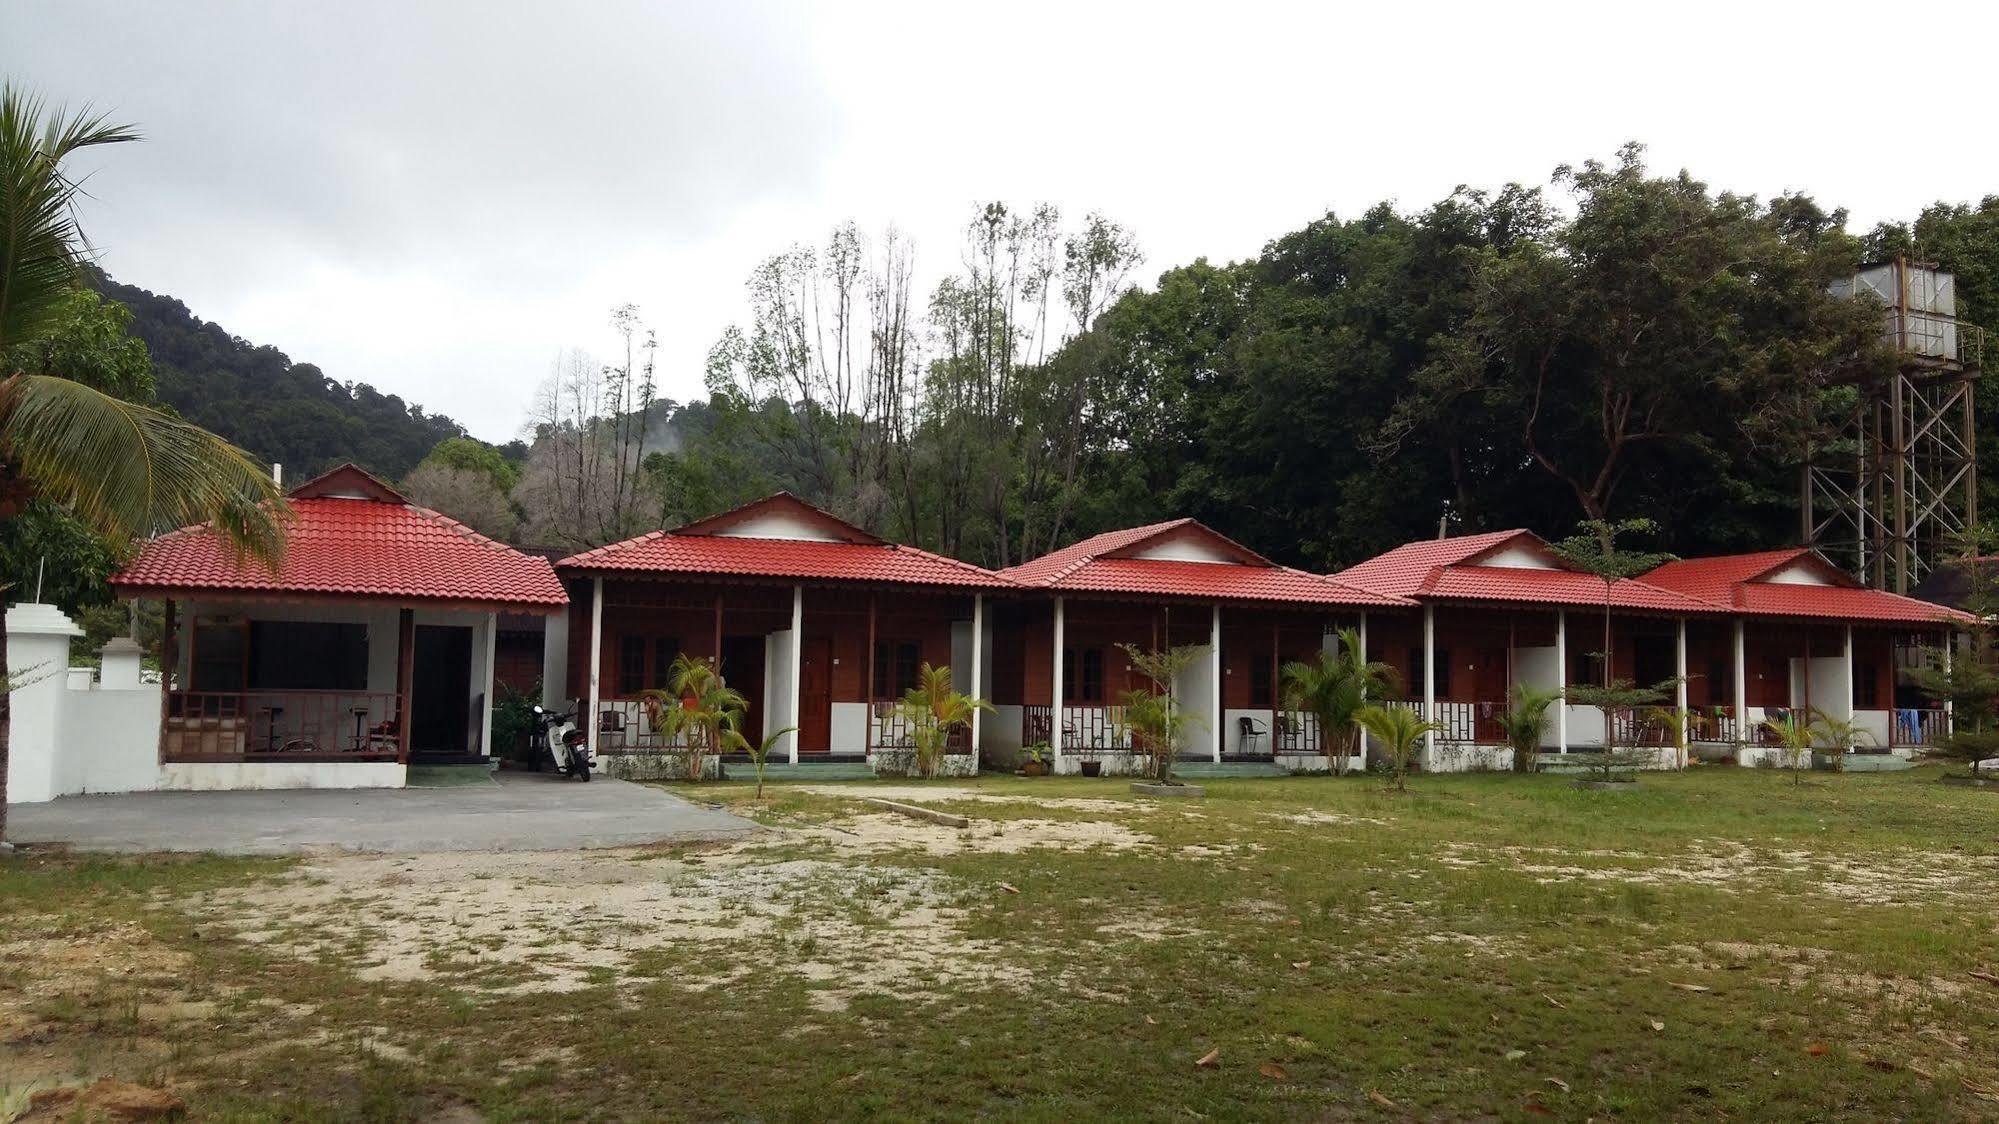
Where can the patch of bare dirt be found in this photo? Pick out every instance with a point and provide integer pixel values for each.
(1875, 879)
(554, 922)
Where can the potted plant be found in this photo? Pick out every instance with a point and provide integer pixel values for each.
(1036, 764)
(1090, 765)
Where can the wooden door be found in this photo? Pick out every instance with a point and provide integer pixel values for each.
(815, 695)
(1489, 674)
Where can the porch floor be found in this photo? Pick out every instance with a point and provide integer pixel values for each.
(523, 812)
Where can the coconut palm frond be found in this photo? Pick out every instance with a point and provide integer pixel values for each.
(130, 471)
(41, 245)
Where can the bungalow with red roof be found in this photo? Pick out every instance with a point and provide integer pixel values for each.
(822, 626)
(1059, 665)
(369, 647)
(1502, 610)
(1805, 637)
(1743, 638)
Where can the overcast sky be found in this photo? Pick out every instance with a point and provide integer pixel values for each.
(436, 198)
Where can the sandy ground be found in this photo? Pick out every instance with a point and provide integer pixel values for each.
(512, 922)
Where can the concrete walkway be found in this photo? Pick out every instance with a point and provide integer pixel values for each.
(524, 812)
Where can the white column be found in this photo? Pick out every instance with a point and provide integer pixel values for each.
(38, 637)
(1562, 680)
(797, 663)
(1360, 743)
(978, 663)
(1949, 711)
(1741, 683)
(1846, 676)
(1215, 675)
(1430, 674)
(1055, 712)
(486, 692)
(1680, 691)
(589, 716)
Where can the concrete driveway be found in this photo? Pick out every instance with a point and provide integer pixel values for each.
(522, 812)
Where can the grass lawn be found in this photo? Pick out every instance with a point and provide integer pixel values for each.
(1717, 944)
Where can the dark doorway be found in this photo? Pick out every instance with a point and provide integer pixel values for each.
(743, 669)
(441, 692)
(1652, 659)
(815, 695)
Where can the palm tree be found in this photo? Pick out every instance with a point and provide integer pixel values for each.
(758, 753)
(1398, 730)
(1525, 723)
(933, 710)
(699, 706)
(1794, 737)
(1333, 690)
(125, 470)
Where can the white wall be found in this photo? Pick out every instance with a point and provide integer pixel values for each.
(961, 656)
(1266, 723)
(1000, 732)
(110, 740)
(1195, 690)
(777, 526)
(850, 727)
(1585, 727)
(208, 776)
(777, 686)
(1877, 723)
(555, 662)
(1829, 682)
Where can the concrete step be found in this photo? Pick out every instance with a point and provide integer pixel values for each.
(1188, 770)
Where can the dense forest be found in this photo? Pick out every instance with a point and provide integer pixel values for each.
(1613, 343)
(278, 410)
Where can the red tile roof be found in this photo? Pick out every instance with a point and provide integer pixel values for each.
(1099, 565)
(698, 550)
(1741, 582)
(1450, 569)
(360, 549)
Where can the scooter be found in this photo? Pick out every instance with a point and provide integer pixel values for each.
(564, 744)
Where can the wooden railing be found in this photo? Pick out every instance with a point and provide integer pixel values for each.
(890, 728)
(281, 726)
(626, 726)
(1713, 724)
(1917, 727)
(1645, 726)
(1297, 732)
(1474, 723)
(1085, 728)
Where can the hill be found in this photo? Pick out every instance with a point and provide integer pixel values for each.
(278, 410)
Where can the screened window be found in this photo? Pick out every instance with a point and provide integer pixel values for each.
(1415, 686)
(896, 663)
(218, 657)
(1083, 675)
(631, 665)
(1260, 680)
(665, 649)
(307, 656)
(1866, 686)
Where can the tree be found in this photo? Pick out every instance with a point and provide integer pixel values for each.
(932, 710)
(1637, 338)
(1155, 717)
(700, 710)
(1966, 679)
(758, 752)
(1593, 549)
(1333, 689)
(467, 495)
(124, 470)
(1399, 731)
(1525, 723)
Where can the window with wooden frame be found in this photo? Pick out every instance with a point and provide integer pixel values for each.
(896, 668)
(665, 649)
(1082, 675)
(1866, 685)
(1261, 680)
(1414, 688)
(631, 665)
